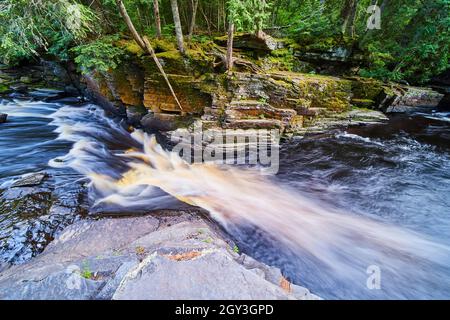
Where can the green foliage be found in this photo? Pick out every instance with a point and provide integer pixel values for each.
(32, 27)
(413, 44)
(248, 15)
(168, 29)
(101, 55)
(307, 18)
(86, 272)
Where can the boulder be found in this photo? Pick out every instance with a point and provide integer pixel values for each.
(165, 255)
(135, 114)
(251, 41)
(30, 180)
(3, 117)
(404, 99)
(161, 121)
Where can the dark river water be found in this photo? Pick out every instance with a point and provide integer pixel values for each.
(397, 174)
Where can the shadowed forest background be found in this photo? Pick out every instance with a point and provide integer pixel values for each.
(412, 44)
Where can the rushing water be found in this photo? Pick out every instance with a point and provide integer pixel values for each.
(341, 202)
(27, 141)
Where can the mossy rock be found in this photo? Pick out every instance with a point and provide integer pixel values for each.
(318, 44)
(363, 103)
(366, 88)
(163, 45)
(131, 47)
(281, 52)
(4, 88)
(170, 55)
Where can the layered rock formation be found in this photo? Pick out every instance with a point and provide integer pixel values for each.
(247, 98)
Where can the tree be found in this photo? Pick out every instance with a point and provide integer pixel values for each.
(146, 46)
(260, 9)
(234, 7)
(177, 22)
(31, 28)
(157, 18)
(348, 17)
(229, 57)
(194, 4)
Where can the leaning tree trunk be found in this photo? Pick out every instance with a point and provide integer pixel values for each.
(177, 22)
(229, 59)
(157, 18)
(348, 16)
(146, 46)
(194, 14)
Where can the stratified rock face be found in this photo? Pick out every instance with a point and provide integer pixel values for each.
(282, 100)
(25, 79)
(248, 98)
(414, 99)
(250, 41)
(389, 98)
(169, 255)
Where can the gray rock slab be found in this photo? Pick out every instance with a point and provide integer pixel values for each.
(31, 180)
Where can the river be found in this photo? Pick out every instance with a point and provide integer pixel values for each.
(342, 204)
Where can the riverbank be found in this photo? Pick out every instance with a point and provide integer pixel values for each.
(186, 241)
(269, 88)
(162, 255)
(55, 247)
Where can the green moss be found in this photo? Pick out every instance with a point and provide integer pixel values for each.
(321, 44)
(163, 45)
(86, 272)
(366, 88)
(132, 47)
(281, 52)
(171, 55)
(4, 88)
(363, 103)
(221, 38)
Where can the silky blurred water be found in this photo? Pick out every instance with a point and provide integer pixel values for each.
(340, 203)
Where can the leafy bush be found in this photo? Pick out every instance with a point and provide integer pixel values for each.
(100, 55)
(31, 27)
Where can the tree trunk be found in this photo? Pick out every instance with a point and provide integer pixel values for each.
(129, 23)
(150, 50)
(230, 46)
(208, 25)
(146, 46)
(194, 14)
(157, 18)
(177, 22)
(348, 16)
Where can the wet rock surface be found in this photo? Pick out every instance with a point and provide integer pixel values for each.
(30, 180)
(164, 255)
(28, 81)
(33, 209)
(353, 118)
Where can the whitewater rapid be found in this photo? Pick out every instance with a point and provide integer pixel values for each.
(131, 171)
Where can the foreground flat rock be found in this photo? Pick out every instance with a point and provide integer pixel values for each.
(169, 255)
(31, 180)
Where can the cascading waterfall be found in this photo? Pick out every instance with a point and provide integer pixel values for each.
(131, 171)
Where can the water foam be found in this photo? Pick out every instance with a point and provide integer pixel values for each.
(134, 176)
